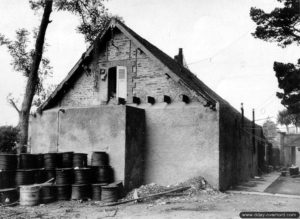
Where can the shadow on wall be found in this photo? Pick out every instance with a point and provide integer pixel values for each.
(242, 148)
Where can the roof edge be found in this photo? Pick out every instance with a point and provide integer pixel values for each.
(76, 66)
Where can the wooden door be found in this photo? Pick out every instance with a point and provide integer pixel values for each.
(122, 82)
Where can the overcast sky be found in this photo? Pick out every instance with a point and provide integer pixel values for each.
(215, 36)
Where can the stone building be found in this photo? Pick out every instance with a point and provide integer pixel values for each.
(288, 147)
(157, 120)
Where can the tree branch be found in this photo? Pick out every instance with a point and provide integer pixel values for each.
(86, 7)
(81, 12)
(13, 104)
(296, 36)
(295, 29)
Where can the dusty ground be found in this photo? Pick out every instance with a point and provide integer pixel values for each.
(212, 205)
(285, 185)
(199, 201)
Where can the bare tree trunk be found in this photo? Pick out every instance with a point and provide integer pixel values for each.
(33, 78)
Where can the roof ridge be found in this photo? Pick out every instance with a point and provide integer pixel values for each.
(185, 75)
(177, 68)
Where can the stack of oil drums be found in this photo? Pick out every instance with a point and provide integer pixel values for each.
(28, 170)
(64, 175)
(8, 166)
(62, 167)
(88, 181)
(74, 179)
(82, 178)
(102, 189)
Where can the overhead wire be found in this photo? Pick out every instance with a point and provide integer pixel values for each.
(255, 136)
(267, 103)
(266, 100)
(221, 50)
(269, 100)
(265, 118)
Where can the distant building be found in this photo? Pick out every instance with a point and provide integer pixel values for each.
(288, 147)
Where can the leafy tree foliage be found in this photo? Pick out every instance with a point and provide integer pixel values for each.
(92, 14)
(43, 95)
(21, 60)
(288, 76)
(282, 25)
(8, 138)
(269, 130)
(93, 18)
(286, 118)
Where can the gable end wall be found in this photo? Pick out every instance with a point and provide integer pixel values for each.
(145, 77)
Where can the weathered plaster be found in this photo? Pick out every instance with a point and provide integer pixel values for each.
(84, 130)
(181, 143)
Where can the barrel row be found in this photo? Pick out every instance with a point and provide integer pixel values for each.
(74, 179)
(101, 174)
(47, 161)
(51, 160)
(34, 195)
(97, 192)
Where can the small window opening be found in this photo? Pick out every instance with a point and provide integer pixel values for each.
(112, 83)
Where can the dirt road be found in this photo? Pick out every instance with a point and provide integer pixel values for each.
(285, 185)
(218, 205)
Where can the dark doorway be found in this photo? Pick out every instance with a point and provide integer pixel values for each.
(293, 149)
(112, 83)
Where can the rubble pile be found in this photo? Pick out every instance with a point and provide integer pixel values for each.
(146, 190)
(198, 185)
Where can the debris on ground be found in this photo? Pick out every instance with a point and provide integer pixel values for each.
(152, 196)
(195, 190)
(146, 190)
(198, 185)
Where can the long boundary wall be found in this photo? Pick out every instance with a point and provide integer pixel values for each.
(241, 148)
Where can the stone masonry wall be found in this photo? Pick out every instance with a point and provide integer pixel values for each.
(82, 94)
(145, 76)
